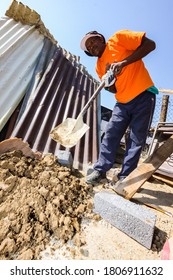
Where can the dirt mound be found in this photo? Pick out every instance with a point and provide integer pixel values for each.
(39, 198)
(46, 212)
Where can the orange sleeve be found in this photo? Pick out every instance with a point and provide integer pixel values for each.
(131, 40)
(99, 71)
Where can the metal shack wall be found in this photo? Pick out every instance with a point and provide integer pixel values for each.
(20, 46)
(62, 92)
(41, 85)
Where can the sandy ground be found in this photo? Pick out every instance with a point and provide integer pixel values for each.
(105, 242)
(46, 212)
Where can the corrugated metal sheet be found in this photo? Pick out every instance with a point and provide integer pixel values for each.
(167, 167)
(59, 88)
(20, 46)
(61, 93)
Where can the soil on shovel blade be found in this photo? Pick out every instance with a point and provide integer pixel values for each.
(46, 212)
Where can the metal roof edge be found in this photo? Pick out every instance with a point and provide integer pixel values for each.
(22, 13)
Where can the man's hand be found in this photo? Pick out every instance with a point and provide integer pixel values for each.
(116, 67)
(109, 78)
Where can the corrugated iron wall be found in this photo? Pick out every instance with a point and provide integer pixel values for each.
(58, 87)
(62, 92)
(20, 46)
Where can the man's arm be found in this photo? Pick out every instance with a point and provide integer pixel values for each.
(147, 46)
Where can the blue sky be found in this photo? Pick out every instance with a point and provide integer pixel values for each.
(69, 20)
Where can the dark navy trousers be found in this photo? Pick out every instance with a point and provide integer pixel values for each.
(135, 115)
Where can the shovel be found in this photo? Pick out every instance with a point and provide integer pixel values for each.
(69, 132)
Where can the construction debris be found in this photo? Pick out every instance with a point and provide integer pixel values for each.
(143, 172)
(41, 200)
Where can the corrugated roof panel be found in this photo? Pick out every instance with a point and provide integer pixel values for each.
(59, 88)
(20, 46)
(27, 16)
(44, 59)
(62, 92)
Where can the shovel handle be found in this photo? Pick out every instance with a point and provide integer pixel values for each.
(85, 108)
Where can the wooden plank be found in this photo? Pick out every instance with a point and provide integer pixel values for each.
(154, 206)
(165, 90)
(163, 178)
(170, 129)
(143, 172)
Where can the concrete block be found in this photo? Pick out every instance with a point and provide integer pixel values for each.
(64, 158)
(132, 219)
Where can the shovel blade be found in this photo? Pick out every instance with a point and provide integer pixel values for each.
(69, 132)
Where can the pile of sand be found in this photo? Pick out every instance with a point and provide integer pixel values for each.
(39, 198)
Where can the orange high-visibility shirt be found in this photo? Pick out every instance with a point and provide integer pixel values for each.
(134, 78)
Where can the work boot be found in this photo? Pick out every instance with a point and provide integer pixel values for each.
(95, 177)
(114, 186)
(114, 183)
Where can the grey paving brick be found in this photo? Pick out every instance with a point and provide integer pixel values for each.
(131, 218)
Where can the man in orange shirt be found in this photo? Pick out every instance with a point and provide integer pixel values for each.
(134, 91)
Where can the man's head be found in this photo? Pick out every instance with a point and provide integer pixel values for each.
(93, 44)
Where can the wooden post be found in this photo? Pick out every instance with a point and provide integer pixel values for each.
(164, 108)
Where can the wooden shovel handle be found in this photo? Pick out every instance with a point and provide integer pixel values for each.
(97, 91)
